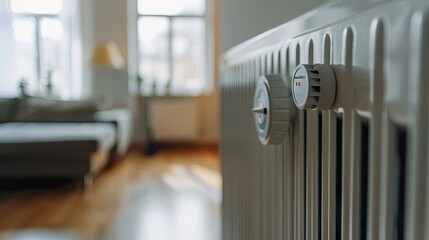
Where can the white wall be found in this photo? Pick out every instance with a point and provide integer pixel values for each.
(243, 19)
(110, 24)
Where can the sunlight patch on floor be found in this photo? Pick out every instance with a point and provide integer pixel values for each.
(194, 176)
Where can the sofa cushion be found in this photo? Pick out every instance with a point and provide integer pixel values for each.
(6, 108)
(103, 133)
(54, 149)
(33, 109)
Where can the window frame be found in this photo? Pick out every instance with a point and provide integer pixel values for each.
(208, 87)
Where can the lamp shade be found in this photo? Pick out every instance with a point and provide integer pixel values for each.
(107, 54)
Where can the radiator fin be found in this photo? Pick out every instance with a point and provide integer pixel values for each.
(376, 67)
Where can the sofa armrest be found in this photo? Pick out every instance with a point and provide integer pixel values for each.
(122, 118)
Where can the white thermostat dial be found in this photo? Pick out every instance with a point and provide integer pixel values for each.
(314, 86)
(272, 109)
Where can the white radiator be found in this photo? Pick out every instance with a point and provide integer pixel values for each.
(356, 168)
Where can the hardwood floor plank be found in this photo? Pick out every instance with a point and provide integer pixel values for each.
(165, 196)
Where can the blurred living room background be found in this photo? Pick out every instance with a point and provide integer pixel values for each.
(109, 114)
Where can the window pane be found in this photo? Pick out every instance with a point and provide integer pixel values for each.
(153, 36)
(171, 7)
(153, 50)
(52, 65)
(154, 71)
(24, 66)
(38, 7)
(188, 54)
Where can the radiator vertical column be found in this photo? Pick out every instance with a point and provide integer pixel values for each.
(376, 68)
(329, 132)
(417, 192)
(345, 98)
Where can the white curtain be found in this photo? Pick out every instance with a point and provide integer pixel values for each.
(8, 85)
(72, 47)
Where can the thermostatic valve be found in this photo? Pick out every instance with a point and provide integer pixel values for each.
(314, 86)
(272, 109)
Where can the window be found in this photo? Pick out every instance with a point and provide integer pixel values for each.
(40, 49)
(172, 46)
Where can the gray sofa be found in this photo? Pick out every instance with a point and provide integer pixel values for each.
(43, 138)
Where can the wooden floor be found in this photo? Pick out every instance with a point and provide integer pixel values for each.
(172, 195)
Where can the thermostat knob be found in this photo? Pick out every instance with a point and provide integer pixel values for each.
(272, 109)
(314, 86)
